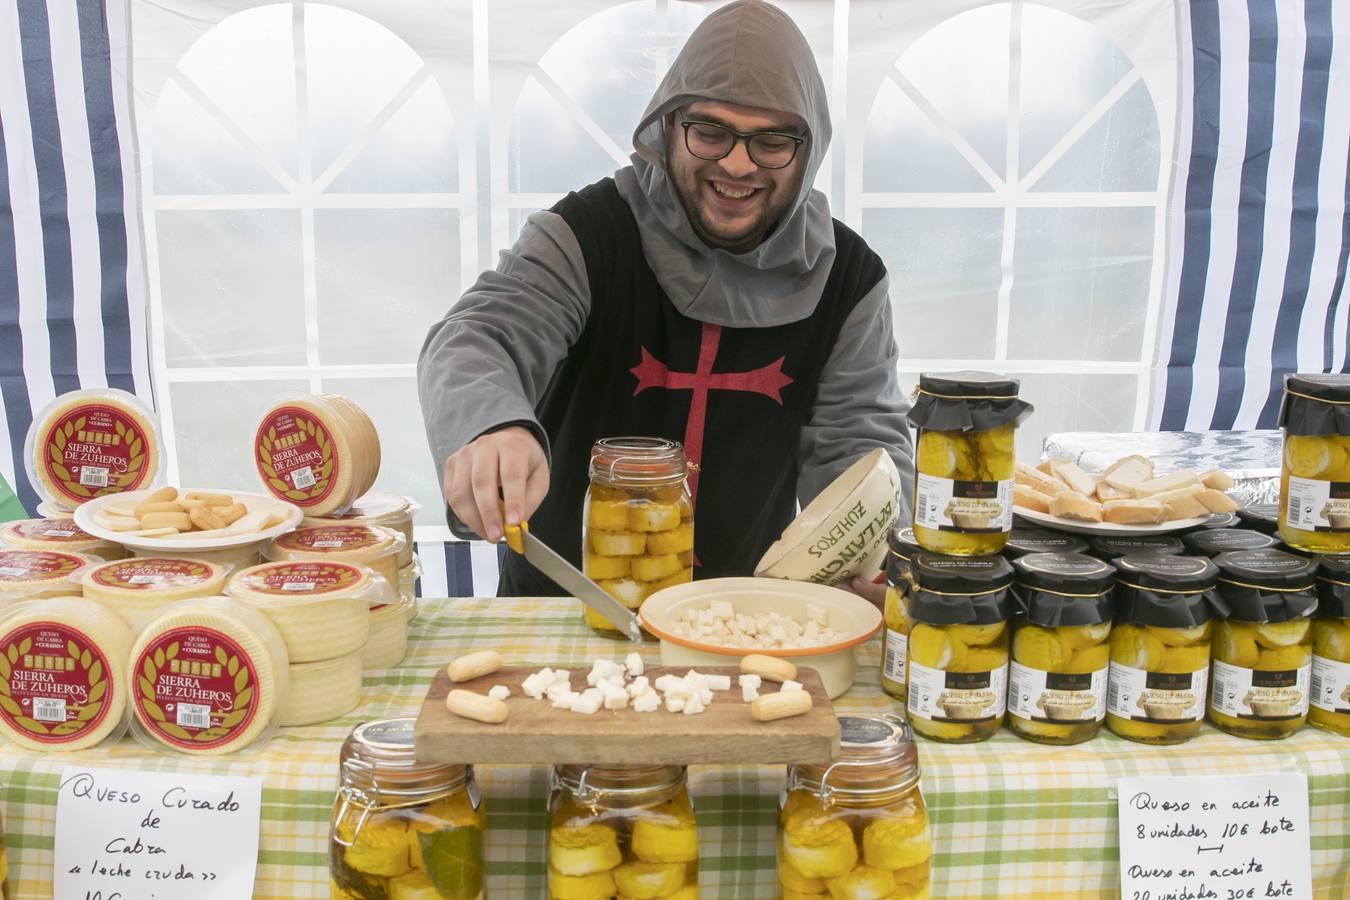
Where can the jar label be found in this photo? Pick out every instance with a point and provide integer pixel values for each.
(897, 651)
(968, 507)
(195, 688)
(1260, 695)
(92, 450)
(1314, 505)
(57, 684)
(1160, 698)
(1056, 697)
(957, 696)
(297, 457)
(1331, 685)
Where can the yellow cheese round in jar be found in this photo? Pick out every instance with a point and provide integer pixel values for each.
(1160, 647)
(958, 646)
(1262, 651)
(964, 461)
(1057, 681)
(28, 574)
(367, 545)
(377, 508)
(322, 609)
(64, 660)
(137, 587)
(61, 535)
(1330, 703)
(1313, 516)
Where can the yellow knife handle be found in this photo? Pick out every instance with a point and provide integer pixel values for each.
(512, 534)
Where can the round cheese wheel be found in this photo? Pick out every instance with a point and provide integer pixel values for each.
(320, 453)
(368, 545)
(322, 609)
(41, 573)
(63, 661)
(378, 508)
(321, 691)
(137, 587)
(49, 510)
(232, 558)
(92, 443)
(388, 641)
(59, 535)
(407, 589)
(209, 676)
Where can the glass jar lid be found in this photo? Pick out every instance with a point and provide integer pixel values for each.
(595, 782)
(1222, 520)
(1112, 547)
(638, 460)
(903, 542)
(1266, 585)
(1316, 404)
(1213, 541)
(1064, 589)
(1165, 591)
(1023, 540)
(379, 757)
(877, 756)
(966, 401)
(952, 590)
(1333, 587)
(1261, 516)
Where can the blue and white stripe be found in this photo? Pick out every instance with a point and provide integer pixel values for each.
(72, 294)
(1260, 235)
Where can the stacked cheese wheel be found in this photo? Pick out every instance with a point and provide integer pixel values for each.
(28, 574)
(322, 610)
(209, 676)
(63, 664)
(387, 511)
(319, 452)
(232, 558)
(135, 588)
(62, 535)
(88, 444)
(366, 545)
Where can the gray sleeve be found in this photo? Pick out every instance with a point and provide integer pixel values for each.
(858, 403)
(487, 363)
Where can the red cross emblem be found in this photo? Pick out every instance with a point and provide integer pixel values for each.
(652, 373)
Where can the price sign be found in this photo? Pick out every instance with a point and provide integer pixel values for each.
(1236, 837)
(125, 835)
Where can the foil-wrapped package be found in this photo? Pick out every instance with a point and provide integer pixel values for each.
(1251, 458)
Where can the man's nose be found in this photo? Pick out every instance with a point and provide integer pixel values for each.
(738, 163)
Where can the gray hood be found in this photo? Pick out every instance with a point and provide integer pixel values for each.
(749, 53)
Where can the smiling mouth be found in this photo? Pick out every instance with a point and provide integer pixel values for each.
(733, 193)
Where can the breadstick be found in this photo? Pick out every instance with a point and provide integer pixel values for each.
(476, 706)
(474, 665)
(770, 668)
(782, 705)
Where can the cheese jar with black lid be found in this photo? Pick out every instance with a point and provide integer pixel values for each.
(1314, 510)
(1223, 520)
(857, 826)
(964, 460)
(1109, 548)
(1024, 540)
(957, 682)
(403, 828)
(1061, 649)
(1262, 653)
(895, 612)
(1263, 517)
(1213, 541)
(1160, 647)
(1331, 647)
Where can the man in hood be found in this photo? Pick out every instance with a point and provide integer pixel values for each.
(703, 294)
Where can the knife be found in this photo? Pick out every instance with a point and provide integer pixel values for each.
(566, 576)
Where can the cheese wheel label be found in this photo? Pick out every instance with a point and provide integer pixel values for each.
(296, 456)
(53, 530)
(94, 449)
(344, 538)
(195, 688)
(36, 565)
(301, 578)
(151, 574)
(56, 684)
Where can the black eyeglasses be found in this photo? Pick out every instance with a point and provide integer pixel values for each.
(767, 149)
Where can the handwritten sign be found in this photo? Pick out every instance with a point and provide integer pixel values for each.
(124, 835)
(1236, 837)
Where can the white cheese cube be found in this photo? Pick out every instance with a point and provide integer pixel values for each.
(557, 689)
(693, 706)
(721, 609)
(616, 700)
(717, 682)
(749, 692)
(817, 614)
(633, 663)
(588, 702)
(705, 695)
(674, 704)
(679, 689)
(531, 687)
(790, 685)
(562, 676)
(564, 700)
(753, 681)
(500, 692)
(638, 687)
(664, 682)
(647, 701)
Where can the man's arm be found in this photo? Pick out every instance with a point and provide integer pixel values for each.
(486, 365)
(858, 404)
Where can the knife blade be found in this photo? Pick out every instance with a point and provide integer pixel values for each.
(566, 576)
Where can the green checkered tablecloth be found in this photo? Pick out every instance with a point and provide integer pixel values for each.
(1010, 818)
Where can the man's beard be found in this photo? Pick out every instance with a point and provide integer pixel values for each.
(690, 196)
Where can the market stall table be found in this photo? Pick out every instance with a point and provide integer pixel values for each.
(1010, 818)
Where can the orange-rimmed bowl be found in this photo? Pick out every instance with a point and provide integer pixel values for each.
(851, 617)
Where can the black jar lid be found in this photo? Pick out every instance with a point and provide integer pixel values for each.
(1319, 385)
(1111, 547)
(1213, 541)
(1058, 589)
(1266, 585)
(1024, 539)
(1333, 587)
(954, 590)
(903, 543)
(1165, 591)
(1261, 516)
(967, 401)
(1222, 520)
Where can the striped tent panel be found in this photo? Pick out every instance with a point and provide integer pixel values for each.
(72, 290)
(458, 568)
(1260, 232)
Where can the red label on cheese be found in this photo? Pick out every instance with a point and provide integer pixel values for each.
(152, 574)
(330, 538)
(93, 450)
(36, 565)
(296, 456)
(300, 578)
(57, 685)
(53, 530)
(195, 688)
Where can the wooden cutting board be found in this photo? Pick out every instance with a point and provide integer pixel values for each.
(536, 733)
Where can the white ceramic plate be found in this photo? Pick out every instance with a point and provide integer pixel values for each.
(84, 517)
(1078, 526)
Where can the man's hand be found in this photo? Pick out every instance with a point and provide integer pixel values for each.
(871, 591)
(505, 468)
